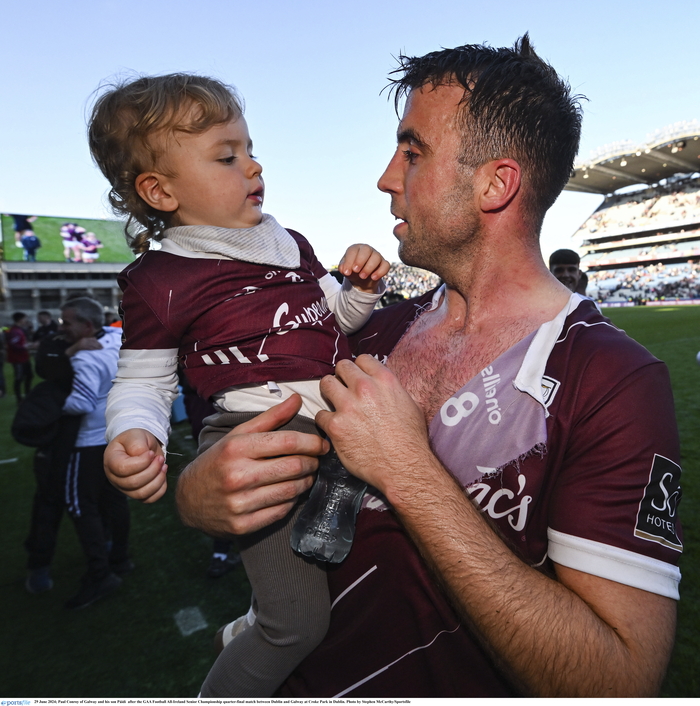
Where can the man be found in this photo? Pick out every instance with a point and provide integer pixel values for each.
(99, 511)
(47, 327)
(564, 265)
(549, 575)
(18, 354)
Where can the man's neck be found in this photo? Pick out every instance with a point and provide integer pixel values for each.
(500, 292)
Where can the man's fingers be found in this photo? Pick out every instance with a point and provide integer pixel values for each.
(272, 418)
(251, 439)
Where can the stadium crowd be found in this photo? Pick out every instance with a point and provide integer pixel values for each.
(641, 284)
(653, 207)
(407, 282)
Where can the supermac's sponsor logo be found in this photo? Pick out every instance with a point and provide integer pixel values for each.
(550, 386)
(498, 502)
(656, 517)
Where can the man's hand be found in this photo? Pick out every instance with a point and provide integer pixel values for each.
(250, 478)
(364, 267)
(134, 463)
(377, 429)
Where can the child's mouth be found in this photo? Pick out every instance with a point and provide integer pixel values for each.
(257, 196)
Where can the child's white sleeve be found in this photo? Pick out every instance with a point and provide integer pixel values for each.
(351, 307)
(143, 393)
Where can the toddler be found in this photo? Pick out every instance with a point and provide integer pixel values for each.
(246, 310)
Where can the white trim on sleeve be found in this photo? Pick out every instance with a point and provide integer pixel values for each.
(613, 563)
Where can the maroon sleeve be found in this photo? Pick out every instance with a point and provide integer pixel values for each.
(308, 255)
(614, 507)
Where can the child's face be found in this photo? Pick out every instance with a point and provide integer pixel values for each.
(218, 182)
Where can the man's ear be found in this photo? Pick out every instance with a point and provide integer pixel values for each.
(500, 183)
(154, 189)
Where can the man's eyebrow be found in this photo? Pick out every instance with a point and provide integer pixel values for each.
(410, 135)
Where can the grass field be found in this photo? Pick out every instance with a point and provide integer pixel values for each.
(129, 645)
(47, 229)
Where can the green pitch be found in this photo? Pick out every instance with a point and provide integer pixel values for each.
(47, 229)
(128, 645)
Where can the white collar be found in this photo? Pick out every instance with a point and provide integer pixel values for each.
(264, 244)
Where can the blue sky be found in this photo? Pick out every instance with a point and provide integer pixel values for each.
(311, 73)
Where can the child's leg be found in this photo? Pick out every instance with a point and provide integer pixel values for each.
(290, 598)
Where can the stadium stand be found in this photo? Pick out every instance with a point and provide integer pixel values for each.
(642, 244)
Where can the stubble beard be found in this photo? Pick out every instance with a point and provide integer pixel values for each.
(448, 242)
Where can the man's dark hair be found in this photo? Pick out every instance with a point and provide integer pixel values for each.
(515, 106)
(564, 257)
(18, 316)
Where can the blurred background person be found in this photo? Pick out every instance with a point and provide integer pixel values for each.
(18, 354)
(564, 265)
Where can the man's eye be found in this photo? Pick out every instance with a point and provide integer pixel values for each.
(410, 156)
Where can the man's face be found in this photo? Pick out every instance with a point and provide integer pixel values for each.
(568, 275)
(218, 181)
(73, 328)
(431, 192)
(44, 319)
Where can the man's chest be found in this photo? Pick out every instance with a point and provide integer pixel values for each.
(433, 362)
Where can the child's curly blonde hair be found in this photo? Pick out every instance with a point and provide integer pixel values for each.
(126, 129)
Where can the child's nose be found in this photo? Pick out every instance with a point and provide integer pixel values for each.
(254, 168)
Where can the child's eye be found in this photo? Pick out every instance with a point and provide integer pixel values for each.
(227, 160)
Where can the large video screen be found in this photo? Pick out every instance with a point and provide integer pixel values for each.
(55, 239)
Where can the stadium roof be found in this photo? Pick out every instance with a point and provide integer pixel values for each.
(672, 150)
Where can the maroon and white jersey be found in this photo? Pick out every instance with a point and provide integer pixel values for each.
(227, 323)
(232, 322)
(602, 498)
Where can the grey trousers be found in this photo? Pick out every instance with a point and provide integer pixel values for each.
(290, 596)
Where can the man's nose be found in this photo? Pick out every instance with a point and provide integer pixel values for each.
(391, 181)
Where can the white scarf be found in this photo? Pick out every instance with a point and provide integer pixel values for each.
(264, 244)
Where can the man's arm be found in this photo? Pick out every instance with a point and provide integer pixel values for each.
(578, 636)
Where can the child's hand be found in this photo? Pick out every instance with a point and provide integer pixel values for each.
(364, 267)
(134, 463)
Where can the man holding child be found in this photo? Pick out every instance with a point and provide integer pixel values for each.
(521, 535)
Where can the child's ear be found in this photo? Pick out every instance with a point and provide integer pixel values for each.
(153, 188)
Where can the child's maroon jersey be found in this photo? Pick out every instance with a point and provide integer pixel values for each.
(232, 322)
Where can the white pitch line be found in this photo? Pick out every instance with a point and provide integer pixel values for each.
(8, 460)
(189, 620)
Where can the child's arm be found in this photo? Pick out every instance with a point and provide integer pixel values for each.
(354, 300)
(364, 267)
(135, 463)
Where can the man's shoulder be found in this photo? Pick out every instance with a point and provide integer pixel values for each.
(587, 333)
